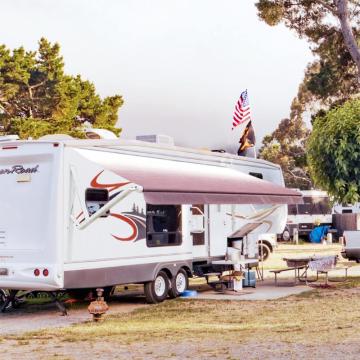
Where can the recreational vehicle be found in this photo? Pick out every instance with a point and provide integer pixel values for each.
(81, 214)
(315, 210)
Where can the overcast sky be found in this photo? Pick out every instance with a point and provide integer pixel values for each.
(179, 64)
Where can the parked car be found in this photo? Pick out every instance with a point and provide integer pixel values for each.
(352, 245)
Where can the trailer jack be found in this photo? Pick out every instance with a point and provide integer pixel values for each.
(12, 300)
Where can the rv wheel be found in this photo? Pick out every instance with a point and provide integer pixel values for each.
(157, 290)
(285, 236)
(179, 283)
(264, 252)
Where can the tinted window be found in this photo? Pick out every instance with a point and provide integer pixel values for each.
(257, 175)
(163, 225)
(292, 209)
(315, 206)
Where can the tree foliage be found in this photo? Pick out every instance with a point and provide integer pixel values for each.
(332, 27)
(38, 98)
(335, 74)
(334, 152)
(286, 147)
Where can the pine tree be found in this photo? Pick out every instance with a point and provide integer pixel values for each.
(38, 98)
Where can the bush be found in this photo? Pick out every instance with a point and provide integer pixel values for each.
(334, 152)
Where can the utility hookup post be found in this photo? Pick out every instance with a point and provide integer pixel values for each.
(296, 236)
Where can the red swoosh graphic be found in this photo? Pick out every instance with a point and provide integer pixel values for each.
(94, 183)
(128, 221)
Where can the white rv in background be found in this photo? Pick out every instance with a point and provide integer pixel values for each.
(315, 210)
(81, 214)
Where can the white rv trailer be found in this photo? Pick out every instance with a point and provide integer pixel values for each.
(96, 213)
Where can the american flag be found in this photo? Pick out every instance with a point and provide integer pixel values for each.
(242, 110)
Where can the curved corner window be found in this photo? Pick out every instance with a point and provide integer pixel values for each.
(95, 199)
(257, 175)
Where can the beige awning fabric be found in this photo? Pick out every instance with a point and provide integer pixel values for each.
(178, 182)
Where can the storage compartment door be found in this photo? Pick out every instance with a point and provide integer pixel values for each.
(219, 228)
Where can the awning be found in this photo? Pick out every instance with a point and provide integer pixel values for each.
(178, 182)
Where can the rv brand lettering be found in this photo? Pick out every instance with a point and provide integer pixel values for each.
(19, 169)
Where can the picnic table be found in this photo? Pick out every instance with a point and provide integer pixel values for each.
(301, 265)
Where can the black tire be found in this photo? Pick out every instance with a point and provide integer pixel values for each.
(357, 260)
(264, 252)
(179, 283)
(157, 290)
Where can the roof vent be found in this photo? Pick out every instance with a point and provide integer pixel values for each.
(157, 139)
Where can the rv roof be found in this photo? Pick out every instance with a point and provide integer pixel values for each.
(314, 193)
(145, 147)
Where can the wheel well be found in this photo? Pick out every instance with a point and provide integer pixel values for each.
(167, 272)
(267, 243)
(188, 271)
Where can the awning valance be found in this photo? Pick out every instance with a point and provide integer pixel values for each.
(178, 182)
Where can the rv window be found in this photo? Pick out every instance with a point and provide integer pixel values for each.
(257, 175)
(315, 206)
(198, 231)
(96, 199)
(163, 224)
(292, 210)
(304, 209)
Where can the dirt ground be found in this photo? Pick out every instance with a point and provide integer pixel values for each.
(33, 317)
(191, 349)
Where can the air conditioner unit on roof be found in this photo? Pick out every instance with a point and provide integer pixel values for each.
(157, 139)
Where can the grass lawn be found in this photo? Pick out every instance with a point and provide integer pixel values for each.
(322, 315)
